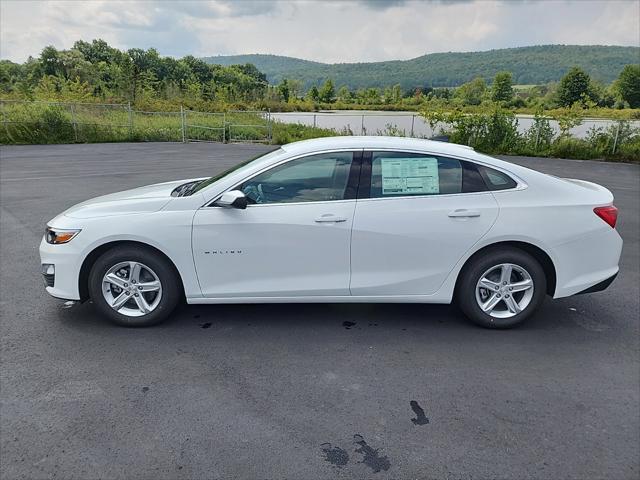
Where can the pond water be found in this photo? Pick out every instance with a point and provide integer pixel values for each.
(370, 122)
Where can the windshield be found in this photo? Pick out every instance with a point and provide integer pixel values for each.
(235, 168)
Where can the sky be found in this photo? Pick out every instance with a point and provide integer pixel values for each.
(326, 31)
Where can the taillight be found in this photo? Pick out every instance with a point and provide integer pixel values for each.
(609, 214)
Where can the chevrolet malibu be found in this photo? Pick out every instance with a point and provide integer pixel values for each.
(346, 219)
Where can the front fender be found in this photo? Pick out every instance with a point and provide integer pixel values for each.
(166, 231)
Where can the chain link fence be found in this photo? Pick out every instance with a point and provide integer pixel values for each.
(56, 122)
(53, 122)
(538, 132)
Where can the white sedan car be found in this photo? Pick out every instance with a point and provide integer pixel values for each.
(345, 219)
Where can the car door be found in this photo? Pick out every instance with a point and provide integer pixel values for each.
(293, 239)
(416, 216)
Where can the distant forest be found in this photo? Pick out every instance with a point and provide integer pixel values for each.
(563, 77)
(528, 65)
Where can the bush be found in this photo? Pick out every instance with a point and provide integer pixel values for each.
(539, 137)
(41, 124)
(390, 130)
(496, 132)
(283, 133)
(568, 147)
(627, 152)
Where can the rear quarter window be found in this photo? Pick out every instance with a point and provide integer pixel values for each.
(496, 180)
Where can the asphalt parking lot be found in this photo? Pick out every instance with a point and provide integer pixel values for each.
(303, 391)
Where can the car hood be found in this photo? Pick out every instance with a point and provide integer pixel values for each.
(147, 199)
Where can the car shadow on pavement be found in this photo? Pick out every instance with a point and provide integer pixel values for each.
(350, 317)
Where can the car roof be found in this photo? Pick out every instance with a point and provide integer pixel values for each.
(372, 142)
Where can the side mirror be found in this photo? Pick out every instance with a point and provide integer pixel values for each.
(233, 199)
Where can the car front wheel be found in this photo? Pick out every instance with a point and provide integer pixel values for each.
(501, 288)
(133, 287)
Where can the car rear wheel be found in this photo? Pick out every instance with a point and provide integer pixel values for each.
(501, 288)
(133, 287)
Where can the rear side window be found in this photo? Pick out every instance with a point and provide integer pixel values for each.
(496, 180)
(405, 174)
(400, 174)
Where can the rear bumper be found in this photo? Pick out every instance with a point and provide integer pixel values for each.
(589, 262)
(598, 287)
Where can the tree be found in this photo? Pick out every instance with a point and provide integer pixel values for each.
(328, 92)
(443, 93)
(471, 93)
(387, 95)
(295, 88)
(50, 61)
(251, 70)
(628, 85)
(313, 93)
(200, 69)
(372, 96)
(502, 88)
(393, 94)
(283, 90)
(10, 74)
(344, 95)
(397, 93)
(574, 87)
(98, 51)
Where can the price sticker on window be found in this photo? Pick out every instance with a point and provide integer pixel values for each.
(410, 176)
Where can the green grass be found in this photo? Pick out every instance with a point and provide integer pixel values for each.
(40, 123)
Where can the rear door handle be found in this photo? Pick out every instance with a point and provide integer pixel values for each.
(464, 213)
(330, 218)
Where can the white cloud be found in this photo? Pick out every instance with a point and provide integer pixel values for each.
(338, 31)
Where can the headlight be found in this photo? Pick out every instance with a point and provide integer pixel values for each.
(56, 236)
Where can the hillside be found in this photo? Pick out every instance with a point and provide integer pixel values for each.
(529, 65)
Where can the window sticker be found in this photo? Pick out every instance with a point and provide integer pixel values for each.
(411, 176)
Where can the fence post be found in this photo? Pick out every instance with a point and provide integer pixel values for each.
(413, 120)
(4, 117)
(224, 127)
(362, 125)
(130, 120)
(73, 120)
(314, 120)
(182, 123)
(615, 140)
(537, 137)
(269, 125)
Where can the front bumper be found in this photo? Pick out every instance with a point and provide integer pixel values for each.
(49, 274)
(63, 281)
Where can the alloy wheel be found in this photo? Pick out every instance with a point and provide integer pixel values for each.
(132, 289)
(504, 290)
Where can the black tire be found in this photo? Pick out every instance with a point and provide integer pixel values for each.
(162, 268)
(483, 262)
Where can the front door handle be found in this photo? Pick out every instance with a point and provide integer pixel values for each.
(330, 218)
(464, 213)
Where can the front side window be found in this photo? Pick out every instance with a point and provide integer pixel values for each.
(396, 174)
(235, 169)
(316, 178)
